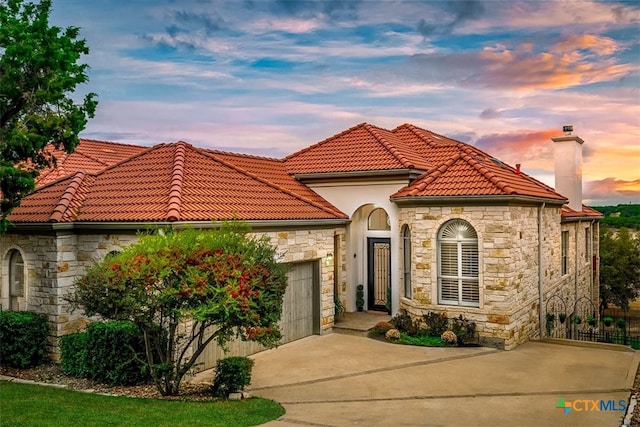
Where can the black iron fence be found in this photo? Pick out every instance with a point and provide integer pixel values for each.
(581, 321)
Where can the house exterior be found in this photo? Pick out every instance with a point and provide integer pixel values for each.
(424, 222)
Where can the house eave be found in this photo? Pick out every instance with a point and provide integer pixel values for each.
(410, 174)
(579, 218)
(495, 200)
(135, 226)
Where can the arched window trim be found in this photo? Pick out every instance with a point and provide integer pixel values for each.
(17, 281)
(458, 264)
(406, 261)
(386, 223)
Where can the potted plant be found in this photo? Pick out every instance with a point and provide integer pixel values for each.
(550, 318)
(577, 320)
(592, 321)
(607, 321)
(359, 297)
(562, 317)
(621, 323)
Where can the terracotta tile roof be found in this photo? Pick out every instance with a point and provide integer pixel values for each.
(452, 168)
(468, 171)
(89, 156)
(105, 181)
(274, 171)
(361, 148)
(174, 182)
(587, 212)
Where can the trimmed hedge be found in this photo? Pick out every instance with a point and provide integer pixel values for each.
(23, 338)
(116, 353)
(73, 355)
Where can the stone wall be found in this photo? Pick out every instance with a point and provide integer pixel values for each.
(508, 312)
(308, 245)
(53, 262)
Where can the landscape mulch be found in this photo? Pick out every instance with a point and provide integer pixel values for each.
(52, 374)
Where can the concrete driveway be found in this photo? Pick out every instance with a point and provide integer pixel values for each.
(342, 380)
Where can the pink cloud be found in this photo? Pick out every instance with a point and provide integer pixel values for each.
(613, 188)
(519, 146)
(574, 61)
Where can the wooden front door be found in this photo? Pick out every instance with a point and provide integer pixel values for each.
(379, 273)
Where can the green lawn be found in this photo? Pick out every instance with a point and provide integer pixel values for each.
(422, 340)
(33, 405)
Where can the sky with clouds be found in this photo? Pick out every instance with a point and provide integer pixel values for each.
(271, 77)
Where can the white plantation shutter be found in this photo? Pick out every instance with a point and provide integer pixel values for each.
(458, 264)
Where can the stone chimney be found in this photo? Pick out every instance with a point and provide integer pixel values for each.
(568, 167)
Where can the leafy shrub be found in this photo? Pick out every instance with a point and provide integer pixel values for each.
(405, 323)
(392, 335)
(435, 323)
(23, 338)
(233, 374)
(73, 355)
(449, 337)
(379, 329)
(464, 329)
(116, 353)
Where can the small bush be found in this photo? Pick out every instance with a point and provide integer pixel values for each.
(233, 374)
(116, 353)
(405, 324)
(23, 338)
(73, 355)
(449, 337)
(379, 329)
(464, 329)
(392, 335)
(435, 323)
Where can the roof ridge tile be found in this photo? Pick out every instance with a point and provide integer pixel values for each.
(375, 131)
(434, 174)
(109, 142)
(484, 171)
(95, 159)
(244, 155)
(175, 190)
(66, 198)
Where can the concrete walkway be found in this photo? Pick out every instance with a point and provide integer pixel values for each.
(342, 380)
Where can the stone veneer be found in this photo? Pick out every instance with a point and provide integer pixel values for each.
(508, 312)
(54, 261)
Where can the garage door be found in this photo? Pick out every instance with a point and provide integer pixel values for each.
(300, 315)
(299, 319)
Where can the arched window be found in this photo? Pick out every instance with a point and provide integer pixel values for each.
(379, 220)
(458, 264)
(406, 260)
(16, 281)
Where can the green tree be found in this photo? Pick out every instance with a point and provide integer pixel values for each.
(193, 286)
(619, 268)
(39, 70)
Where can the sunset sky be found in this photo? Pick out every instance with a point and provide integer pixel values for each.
(271, 77)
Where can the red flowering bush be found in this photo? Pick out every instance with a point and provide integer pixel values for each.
(183, 284)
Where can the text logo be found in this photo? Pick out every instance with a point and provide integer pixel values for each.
(588, 405)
